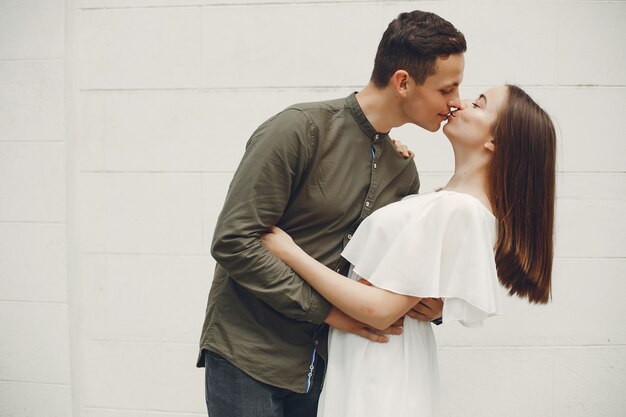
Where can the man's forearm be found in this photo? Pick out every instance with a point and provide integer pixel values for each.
(256, 270)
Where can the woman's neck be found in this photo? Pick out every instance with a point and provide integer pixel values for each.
(471, 175)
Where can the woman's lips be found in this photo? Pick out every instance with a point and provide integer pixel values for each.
(452, 113)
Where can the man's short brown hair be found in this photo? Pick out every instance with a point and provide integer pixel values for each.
(413, 42)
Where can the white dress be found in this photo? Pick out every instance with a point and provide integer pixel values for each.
(431, 245)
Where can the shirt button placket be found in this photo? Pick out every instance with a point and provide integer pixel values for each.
(374, 149)
(371, 192)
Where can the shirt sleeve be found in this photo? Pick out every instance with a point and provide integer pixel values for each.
(444, 252)
(415, 185)
(274, 162)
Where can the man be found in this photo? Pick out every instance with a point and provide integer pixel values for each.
(316, 170)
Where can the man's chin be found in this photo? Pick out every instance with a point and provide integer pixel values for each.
(434, 127)
(431, 127)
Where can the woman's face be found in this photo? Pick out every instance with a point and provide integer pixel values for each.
(472, 126)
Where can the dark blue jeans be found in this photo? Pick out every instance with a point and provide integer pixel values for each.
(232, 393)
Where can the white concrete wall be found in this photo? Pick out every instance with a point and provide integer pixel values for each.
(34, 326)
(138, 111)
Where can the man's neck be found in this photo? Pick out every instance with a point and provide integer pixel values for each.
(379, 106)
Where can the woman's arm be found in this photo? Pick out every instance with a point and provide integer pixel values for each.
(374, 306)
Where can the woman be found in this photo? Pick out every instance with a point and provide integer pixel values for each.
(500, 198)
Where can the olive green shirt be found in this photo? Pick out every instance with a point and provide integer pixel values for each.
(315, 170)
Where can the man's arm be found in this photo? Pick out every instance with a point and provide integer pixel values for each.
(275, 161)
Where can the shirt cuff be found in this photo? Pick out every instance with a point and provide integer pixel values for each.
(320, 309)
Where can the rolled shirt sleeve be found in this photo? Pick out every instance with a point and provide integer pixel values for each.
(274, 163)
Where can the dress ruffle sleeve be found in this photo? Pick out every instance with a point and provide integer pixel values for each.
(440, 248)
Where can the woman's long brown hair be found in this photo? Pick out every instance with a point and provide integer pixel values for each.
(522, 192)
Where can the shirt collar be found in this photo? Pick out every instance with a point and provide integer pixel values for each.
(362, 121)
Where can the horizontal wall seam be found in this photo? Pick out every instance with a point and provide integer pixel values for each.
(329, 87)
(144, 410)
(110, 171)
(34, 383)
(34, 302)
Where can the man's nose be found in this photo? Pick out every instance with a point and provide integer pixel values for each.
(455, 102)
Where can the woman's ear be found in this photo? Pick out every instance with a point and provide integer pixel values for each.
(490, 146)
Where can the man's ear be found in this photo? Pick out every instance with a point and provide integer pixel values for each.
(399, 80)
(490, 146)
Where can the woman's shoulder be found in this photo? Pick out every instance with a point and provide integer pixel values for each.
(439, 203)
(462, 203)
(438, 207)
